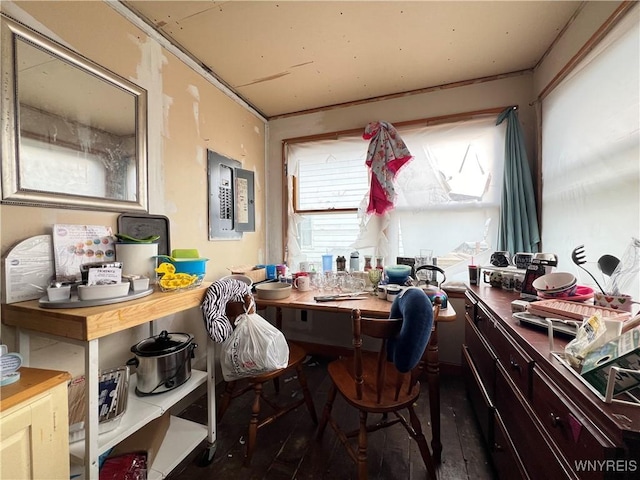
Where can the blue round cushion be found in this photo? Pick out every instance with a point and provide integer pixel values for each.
(415, 309)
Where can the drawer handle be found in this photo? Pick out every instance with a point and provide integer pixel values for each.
(497, 447)
(556, 421)
(515, 365)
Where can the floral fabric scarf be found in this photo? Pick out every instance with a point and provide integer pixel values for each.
(386, 155)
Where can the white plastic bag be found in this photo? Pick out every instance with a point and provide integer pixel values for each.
(588, 337)
(253, 348)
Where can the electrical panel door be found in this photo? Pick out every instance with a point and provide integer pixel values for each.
(231, 198)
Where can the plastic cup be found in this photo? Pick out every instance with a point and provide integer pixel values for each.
(327, 263)
(271, 272)
(473, 274)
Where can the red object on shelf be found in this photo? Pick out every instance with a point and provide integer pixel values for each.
(130, 466)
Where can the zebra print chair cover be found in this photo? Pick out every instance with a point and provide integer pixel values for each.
(214, 306)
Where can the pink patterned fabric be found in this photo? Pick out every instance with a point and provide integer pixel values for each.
(386, 155)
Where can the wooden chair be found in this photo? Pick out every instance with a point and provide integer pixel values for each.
(236, 388)
(370, 383)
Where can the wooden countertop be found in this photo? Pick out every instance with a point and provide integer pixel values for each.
(90, 323)
(33, 381)
(371, 306)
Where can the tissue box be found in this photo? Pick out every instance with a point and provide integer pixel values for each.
(623, 352)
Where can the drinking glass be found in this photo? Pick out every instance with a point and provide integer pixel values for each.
(425, 258)
(375, 276)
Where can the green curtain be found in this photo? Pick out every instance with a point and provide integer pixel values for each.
(518, 230)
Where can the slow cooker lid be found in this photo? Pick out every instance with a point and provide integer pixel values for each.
(162, 344)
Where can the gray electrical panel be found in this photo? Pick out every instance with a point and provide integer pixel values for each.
(231, 198)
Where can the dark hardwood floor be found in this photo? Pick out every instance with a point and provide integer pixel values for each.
(288, 449)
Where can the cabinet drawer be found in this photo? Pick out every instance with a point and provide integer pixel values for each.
(480, 402)
(505, 458)
(539, 455)
(483, 357)
(470, 306)
(578, 440)
(516, 362)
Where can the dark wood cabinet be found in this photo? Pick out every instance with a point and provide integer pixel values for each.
(538, 418)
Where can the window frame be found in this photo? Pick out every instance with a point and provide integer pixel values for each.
(356, 132)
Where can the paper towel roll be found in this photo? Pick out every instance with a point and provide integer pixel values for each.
(138, 259)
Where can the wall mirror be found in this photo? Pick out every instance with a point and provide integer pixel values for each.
(73, 133)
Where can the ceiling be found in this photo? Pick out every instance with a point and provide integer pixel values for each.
(288, 57)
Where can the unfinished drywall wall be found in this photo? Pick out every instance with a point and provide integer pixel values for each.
(187, 115)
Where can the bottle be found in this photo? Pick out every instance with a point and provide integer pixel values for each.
(354, 262)
(341, 263)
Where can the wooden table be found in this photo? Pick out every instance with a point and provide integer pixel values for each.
(377, 308)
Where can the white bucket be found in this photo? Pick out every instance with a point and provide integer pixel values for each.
(138, 259)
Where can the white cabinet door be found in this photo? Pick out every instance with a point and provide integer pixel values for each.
(34, 438)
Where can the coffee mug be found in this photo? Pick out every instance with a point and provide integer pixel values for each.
(493, 277)
(302, 283)
(518, 280)
(392, 292)
(547, 258)
(507, 281)
(500, 259)
(522, 260)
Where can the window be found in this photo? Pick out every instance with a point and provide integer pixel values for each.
(448, 196)
(590, 151)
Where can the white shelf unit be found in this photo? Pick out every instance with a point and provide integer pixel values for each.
(142, 410)
(84, 327)
(183, 436)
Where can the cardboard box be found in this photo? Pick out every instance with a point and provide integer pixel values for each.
(148, 439)
(623, 352)
(255, 274)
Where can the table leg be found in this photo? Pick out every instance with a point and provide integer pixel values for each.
(433, 380)
(276, 381)
(208, 454)
(91, 390)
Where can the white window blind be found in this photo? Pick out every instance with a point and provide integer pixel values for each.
(447, 203)
(591, 155)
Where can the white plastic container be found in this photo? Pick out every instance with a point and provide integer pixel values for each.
(138, 259)
(103, 292)
(59, 293)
